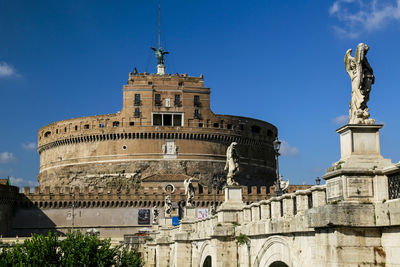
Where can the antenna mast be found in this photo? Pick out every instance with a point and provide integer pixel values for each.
(159, 24)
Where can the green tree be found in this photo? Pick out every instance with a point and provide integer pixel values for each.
(75, 250)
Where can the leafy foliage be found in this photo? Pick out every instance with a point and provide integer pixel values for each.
(242, 239)
(75, 250)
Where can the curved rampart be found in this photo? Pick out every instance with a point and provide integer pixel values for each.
(83, 155)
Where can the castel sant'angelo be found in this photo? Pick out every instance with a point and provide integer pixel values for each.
(110, 171)
(165, 130)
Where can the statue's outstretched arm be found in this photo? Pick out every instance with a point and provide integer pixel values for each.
(153, 48)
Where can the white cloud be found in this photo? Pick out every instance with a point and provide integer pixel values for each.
(342, 119)
(22, 182)
(6, 157)
(29, 146)
(357, 16)
(287, 150)
(7, 70)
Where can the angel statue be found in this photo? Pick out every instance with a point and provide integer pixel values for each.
(155, 215)
(167, 206)
(189, 191)
(362, 78)
(232, 164)
(160, 54)
(283, 184)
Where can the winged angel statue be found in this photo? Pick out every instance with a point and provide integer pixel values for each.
(362, 78)
(232, 164)
(189, 191)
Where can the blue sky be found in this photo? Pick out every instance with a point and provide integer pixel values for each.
(278, 61)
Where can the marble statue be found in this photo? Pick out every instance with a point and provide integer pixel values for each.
(155, 215)
(284, 184)
(232, 164)
(189, 191)
(159, 53)
(362, 78)
(167, 206)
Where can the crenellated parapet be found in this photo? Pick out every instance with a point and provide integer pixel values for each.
(141, 197)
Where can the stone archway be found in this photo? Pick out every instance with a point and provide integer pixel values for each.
(278, 264)
(206, 255)
(207, 262)
(275, 252)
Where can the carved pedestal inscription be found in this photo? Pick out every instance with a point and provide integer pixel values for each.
(359, 187)
(334, 189)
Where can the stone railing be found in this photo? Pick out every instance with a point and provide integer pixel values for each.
(273, 215)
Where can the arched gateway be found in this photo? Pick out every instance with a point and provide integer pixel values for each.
(275, 253)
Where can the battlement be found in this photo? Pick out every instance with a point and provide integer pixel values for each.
(141, 197)
(177, 80)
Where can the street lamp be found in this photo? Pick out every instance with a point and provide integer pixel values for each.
(214, 208)
(73, 211)
(277, 146)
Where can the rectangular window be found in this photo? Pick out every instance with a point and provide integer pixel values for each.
(115, 123)
(86, 126)
(157, 119)
(101, 125)
(167, 118)
(76, 128)
(177, 120)
(216, 125)
(137, 99)
(131, 123)
(197, 114)
(137, 113)
(178, 102)
(196, 101)
(201, 125)
(157, 99)
(229, 126)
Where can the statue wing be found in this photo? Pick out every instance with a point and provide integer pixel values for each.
(153, 49)
(347, 59)
(185, 184)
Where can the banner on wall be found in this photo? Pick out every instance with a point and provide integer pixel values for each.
(202, 213)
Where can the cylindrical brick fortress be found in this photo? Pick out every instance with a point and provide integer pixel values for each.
(165, 127)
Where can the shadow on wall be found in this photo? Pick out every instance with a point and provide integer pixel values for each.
(27, 219)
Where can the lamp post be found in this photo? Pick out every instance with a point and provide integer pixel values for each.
(214, 208)
(73, 211)
(277, 146)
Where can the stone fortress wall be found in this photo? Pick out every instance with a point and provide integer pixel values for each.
(8, 201)
(160, 113)
(112, 211)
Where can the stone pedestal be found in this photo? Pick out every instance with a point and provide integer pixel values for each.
(160, 69)
(232, 204)
(358, 175)
(190, 214)
(166, 221)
